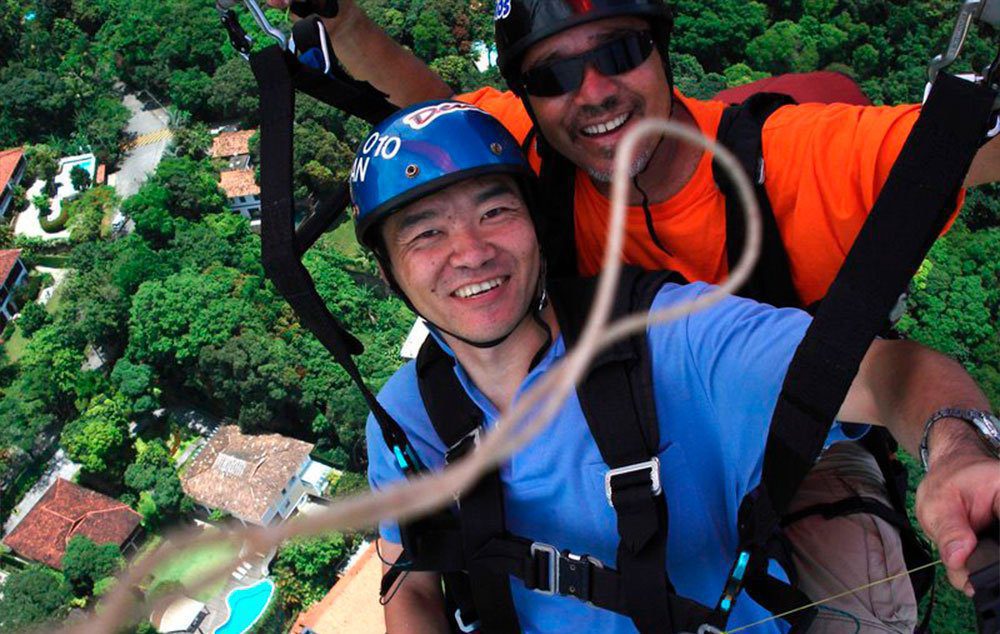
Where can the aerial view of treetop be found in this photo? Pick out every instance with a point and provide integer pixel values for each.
(162, 375)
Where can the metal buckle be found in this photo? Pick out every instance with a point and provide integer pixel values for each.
(652, 465)
(471, 627)
(550, 550)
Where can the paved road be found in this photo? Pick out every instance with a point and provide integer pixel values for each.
(150, 127)
(59, 467)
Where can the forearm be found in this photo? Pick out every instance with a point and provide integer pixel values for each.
(417, 602)
(901, 384)
(371, 55)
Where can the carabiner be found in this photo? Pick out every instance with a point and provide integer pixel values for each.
(258, 15)
(986, 11)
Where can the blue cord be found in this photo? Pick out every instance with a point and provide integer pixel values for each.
(857, 621)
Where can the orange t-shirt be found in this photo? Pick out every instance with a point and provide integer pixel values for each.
(824, 164)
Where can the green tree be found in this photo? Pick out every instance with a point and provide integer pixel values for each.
(87, 213)
(192, 141)
(79, 178)
(135, 382)
(305, 569)
(717, 33)
(84, 563)
(190, 89)
(42, 162)
(191, 186)
(31, 597)
(234, 92)
(783, 48)
(99, 440)
(43, 204)
(33, 318)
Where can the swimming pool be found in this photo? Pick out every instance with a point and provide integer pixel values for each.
(246, 605)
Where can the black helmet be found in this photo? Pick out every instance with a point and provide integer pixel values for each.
(521, 23)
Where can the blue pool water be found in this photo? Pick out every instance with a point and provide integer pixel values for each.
(87, 165)
(246, 605)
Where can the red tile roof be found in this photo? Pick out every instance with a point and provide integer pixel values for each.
(239, 183)
(8, 258)
(352, 604)
(67, 510)
(244, 474)
(8, 164)
(228, 144)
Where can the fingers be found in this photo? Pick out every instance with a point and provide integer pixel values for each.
(952, 505)
(945, 519)
(278, 4)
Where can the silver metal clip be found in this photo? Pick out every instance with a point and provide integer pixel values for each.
(986, 11)
(553, 554)
(652, 465)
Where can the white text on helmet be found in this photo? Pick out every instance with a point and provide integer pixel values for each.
(502, 10)
(378, 146)
(419, 119)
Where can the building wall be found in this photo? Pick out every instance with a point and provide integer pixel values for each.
(7, 306)
(7, 195)
(248, 207)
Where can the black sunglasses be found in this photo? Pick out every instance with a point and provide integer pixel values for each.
(615, 57)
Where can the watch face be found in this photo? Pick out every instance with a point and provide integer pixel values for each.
(989, 427)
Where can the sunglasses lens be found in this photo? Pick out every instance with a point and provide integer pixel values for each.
(613, 58)
(554, 79)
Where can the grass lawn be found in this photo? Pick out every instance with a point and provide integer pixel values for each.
(344, 241)
(190, 567)
(16, 344)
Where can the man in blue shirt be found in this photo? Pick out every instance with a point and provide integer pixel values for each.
(441, 195)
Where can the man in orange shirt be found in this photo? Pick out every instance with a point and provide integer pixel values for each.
(584, 72)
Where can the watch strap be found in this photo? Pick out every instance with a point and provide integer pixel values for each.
(982, 422)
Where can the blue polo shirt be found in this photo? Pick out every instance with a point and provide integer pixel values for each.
(717, 375)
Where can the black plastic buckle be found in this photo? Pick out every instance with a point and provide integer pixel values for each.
(652, 465)
(576, 575)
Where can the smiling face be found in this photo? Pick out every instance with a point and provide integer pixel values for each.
(467, 257)
(587, 124)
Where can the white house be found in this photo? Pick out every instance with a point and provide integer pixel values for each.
(12, 166)
(258, 479)
(237, 180)
(12, 274)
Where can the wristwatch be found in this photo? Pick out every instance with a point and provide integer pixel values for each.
(987, 427)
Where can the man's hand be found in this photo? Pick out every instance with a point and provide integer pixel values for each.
(368, 54)
(959, 497)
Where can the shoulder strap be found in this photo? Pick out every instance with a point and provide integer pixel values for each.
(557, 197)
(617, 400)
(910, 213)
(458, 422)
(740, 132)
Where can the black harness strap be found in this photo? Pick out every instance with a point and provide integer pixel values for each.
(279, 249)
(557, 191)
(627, 434)
(740, 131)
(908, 216)
(458, 423)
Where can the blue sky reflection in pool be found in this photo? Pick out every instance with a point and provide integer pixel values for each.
(246, 605)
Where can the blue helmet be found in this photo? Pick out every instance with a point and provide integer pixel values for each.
(423, 149)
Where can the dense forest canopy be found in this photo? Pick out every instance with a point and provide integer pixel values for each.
(181, 308)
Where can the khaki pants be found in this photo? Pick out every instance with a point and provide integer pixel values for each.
(841, 553)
